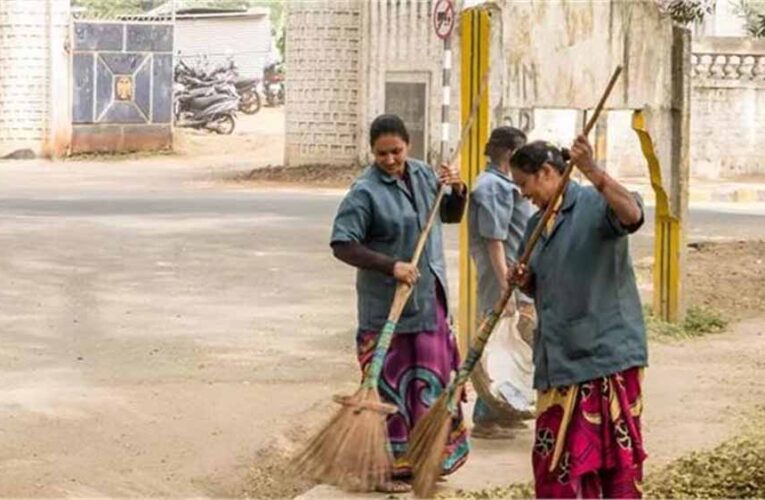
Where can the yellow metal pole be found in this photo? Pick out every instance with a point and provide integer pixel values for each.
(474, 64)
(667, 235)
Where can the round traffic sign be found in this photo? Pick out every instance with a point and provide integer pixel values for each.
(443, 18)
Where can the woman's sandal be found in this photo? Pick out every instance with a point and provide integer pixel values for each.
(394, 486)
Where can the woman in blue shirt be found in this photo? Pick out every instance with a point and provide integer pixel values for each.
(590, 344)
(376, 230)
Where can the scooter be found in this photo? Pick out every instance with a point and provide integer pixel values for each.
(215, 113)
(201, 77)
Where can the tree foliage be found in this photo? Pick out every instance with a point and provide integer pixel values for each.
(753, 13)
(105, 8)
(687, 12)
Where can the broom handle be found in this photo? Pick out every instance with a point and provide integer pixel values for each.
(490, 321)
(404, 290)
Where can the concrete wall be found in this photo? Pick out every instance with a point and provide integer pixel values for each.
(727, 114)
(34, 77)
(583, 43)
(728, 108)
(403, 47)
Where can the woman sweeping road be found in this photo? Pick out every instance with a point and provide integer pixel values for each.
(590, 346)
(376, 230)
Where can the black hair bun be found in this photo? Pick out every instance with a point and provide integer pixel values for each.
(565, 153)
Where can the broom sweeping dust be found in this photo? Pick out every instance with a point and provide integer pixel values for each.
(431, 432)
(352, 450)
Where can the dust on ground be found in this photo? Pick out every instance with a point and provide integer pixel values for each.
(330, 176)
(729, 277)
(257, 141)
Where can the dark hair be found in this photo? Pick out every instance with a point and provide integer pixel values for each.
(387, 124)
(504, 139)
(532, 156)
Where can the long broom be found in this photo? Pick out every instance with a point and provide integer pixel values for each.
(352, 450)
(430, 434)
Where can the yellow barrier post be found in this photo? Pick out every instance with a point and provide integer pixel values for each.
(667, 234)
(474, 64)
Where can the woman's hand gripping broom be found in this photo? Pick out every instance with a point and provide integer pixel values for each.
(429, 436)
(352, 450)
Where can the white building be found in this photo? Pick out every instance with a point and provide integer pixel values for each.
(219, 34)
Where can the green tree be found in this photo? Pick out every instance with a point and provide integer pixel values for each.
(104, 8)
(277, 8)
(753, 12)
(686, 12)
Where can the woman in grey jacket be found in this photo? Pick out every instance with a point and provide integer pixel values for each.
(590, 345)
(376, 230)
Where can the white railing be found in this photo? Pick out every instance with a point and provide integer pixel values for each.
(716, 66)
(728, 61)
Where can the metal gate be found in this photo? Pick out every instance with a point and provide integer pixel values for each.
(123, 86)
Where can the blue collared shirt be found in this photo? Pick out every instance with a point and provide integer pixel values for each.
(497, 211)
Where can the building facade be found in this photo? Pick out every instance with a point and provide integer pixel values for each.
(349, 61)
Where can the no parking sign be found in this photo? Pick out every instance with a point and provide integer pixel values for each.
(443, 18)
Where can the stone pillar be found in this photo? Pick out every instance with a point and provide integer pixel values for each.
(34, 76)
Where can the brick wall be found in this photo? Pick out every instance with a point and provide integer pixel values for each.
(341, 54)
(34, 109)
(324, 40)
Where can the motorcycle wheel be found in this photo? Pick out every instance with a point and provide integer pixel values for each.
(224, 125)
(250, 103)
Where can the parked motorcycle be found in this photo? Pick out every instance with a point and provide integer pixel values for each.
(222, 79)
(273, 84)
(204, 109)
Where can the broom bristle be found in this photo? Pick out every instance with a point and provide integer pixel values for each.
(352, 450)
(427, 445)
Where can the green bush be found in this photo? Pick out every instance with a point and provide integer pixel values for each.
(699, 321)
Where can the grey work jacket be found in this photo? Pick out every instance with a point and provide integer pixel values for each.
(590, 316)
(380, 213)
